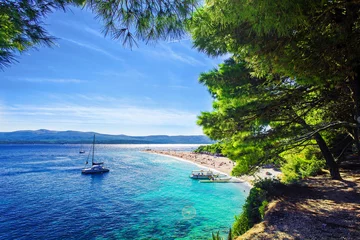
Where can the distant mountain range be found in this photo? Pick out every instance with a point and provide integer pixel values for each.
(48, 136)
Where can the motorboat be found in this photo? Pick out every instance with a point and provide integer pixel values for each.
(219, 179)
(201, 174)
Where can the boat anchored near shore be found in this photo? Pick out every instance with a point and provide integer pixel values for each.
(217, 179)
(208, 176)
(96, 167)
(201, 174)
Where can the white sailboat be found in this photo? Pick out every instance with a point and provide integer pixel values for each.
(81, 150)
(96, 167)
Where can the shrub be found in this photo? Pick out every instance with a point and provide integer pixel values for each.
(217, 236)
(255, 205)
(262, 208)
(298, 167)
(215, 148)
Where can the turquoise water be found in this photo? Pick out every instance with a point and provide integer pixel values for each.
(144, 196)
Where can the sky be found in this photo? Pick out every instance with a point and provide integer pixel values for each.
(91, 83)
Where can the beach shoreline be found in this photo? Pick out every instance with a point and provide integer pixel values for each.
(217, 164)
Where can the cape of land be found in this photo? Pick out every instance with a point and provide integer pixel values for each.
(59, 137)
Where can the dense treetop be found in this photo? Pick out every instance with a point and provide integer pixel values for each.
(293, 83)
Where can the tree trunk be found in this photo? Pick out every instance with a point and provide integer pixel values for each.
(329, 158)
(356, 97)
(351, 16)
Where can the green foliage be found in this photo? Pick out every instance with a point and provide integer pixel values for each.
(262, 208)
(143, 20)
(300, 165)
(215, 148)
(22, 27)
(285, 37)
(254, 208)
(218, 237)
(298, 60)
(229, 235)
(257, 120)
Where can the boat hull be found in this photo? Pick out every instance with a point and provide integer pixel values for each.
(92, 171)
(214, 181)
(200, 176)
(217, 180)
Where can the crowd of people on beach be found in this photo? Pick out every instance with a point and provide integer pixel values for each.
(220, 163)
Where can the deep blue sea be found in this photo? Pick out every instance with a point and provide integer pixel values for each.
(43, 195)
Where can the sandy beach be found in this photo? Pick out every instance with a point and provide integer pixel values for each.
(218, 164)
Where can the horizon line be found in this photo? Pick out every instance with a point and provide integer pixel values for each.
(42, 129)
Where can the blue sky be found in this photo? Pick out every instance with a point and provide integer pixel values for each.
(92, 83)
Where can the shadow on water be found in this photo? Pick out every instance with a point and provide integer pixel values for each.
(95, 178)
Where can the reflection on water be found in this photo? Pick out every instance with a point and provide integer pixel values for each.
(95, 178)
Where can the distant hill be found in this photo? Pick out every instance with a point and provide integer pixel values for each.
(48, 136)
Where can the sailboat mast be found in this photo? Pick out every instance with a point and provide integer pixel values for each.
(93, 151)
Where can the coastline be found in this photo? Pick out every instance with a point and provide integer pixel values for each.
(188, 161)
(217, 164)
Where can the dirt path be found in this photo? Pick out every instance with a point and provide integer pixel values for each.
(319, 208)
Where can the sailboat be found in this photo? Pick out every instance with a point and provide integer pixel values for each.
(81, 151)
(96, 167)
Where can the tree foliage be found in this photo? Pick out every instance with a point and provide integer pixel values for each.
(301, 82)
(314, 42)
(259, 119)
(255, 205)
(311, 39)
(143, 20)
(301, 163)
(215, 148)
(22, 26)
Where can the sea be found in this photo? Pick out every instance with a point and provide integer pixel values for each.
(43, 195)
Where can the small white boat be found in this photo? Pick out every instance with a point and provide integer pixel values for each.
(96, 167)
(82, 151)
(201, 174)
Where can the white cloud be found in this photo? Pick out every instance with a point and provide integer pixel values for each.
(100, 113)
(93, 32)
(94, 48)
(166, 52)
(97, 98)
(51, 80)
(128, 73)
(181, 57)
(122, 114)
(81, 27)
